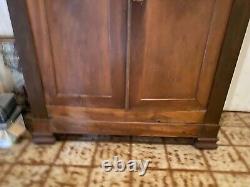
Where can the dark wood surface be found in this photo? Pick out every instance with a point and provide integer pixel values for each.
(83, 53)
(28, 56)
(120, 115)
(233, 39)
(175, 48)
(76, 126)
(234, 36)
(144, 68)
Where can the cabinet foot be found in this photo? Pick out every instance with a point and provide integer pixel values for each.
(41, 133)
(206, 143)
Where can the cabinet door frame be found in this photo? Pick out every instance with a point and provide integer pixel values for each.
(235, 32)
(70, 79)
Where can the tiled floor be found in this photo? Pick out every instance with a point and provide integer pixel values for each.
(77, 163)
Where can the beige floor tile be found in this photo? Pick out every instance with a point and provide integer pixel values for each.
(245, 153)
(107, 179)
(107, 150)
(3, 169)
(192, 179)
(42, 154)
(22, 175)
(245, 117)
(185, 157)
(153, 178)
(224, 158)
(10, 155)
(231, 119)
(222, 139)
(232, 180)
(238, 135)
(67, 176)
(77, 153)
(155, 153)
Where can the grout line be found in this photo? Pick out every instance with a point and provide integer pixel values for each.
(168, 161)
(241, 158)
(56, 165)
(229, 140)
(90, 169)
(226, 137)
(149, 168)
(246, 124)
(92, 165)
(14, 162)
(209, 167)
(239, 155)
(130, 158)
(235, 115)
(51, 165)
(198, 170)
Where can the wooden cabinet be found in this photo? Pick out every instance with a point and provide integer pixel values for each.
(128, 67)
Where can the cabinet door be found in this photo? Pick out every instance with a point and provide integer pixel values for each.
(175, 45)
(81, 49)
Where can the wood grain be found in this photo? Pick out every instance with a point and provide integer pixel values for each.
(119, 115)
(83, 57)
(236, 29)
(175, 47)
(161, 68)
(27, 53)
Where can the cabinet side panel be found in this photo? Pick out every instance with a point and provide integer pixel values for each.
(28, 56)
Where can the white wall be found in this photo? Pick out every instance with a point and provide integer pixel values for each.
(239, 94)
(238, 98)
(6, 81)
(5, 25)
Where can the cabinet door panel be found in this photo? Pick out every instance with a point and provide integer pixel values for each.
(81, 50)
(175, 47)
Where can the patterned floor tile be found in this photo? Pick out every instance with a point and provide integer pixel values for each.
(192, 179)
(232, 180)
(22, 175)
(107, 151)
(40, 154)
(245, 117)
(77, 153)
(153, 178)
(231, 119)
(238, 135)
(245, 153)
(222, 139)
(67, 176)
(3, 169)
(155, 153)
(224, 158)
(185, 157)
(106, 179)
(10, 155)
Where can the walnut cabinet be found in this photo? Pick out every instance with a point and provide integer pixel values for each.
(128, 67)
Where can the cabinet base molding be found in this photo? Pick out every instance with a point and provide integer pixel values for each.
(206, 143)
(43, 130)
(41, 133)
